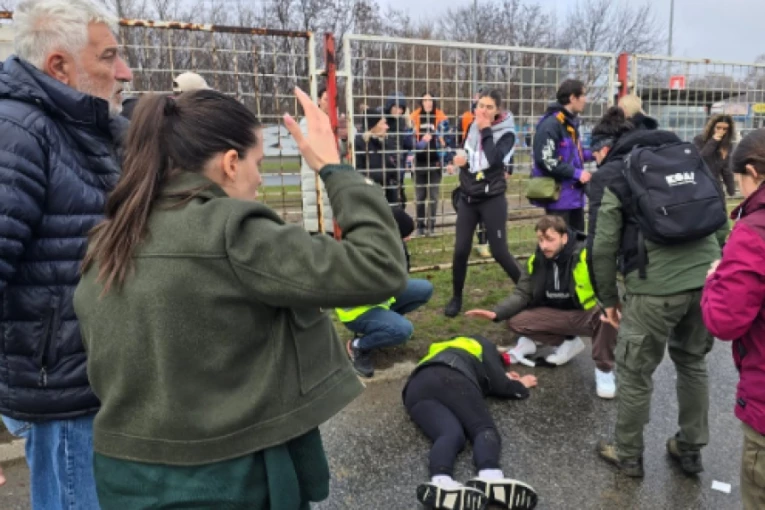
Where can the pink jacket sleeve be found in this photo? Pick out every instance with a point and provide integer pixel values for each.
(735, 293)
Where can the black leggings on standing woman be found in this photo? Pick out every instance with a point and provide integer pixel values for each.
(493, 213)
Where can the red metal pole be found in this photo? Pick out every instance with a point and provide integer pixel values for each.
(624, 64)
(330, 58)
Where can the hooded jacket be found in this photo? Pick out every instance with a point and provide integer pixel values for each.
(558, 154)
(488, 150)
(733, 305)
(58, 161)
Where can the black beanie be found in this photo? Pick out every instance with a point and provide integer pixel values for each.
(371, 118)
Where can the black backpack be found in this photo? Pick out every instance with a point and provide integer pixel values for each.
(674, 199)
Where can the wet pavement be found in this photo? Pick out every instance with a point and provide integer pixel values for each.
(378, 456)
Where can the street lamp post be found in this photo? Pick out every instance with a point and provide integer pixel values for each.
(671, 24)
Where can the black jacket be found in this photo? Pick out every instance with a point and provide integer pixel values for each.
(719, 166)
(58, 161)
(644, 122)
(488, 375)
(477, 185)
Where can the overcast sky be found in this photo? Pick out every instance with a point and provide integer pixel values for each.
(731, 30)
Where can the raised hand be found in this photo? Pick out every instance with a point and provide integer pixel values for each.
(319, 147)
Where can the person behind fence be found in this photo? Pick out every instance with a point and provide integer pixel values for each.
(61, 131)
(554, 302)
(400, 130)
(444, 396)
(733, 306)
(558, 175)
(202, 312)
(308, 184)
(432, 139)
(384, 324)
(464, 123)
(632, 106)
(375, 154)
(657, 226)
(716, 144)
(489, 144)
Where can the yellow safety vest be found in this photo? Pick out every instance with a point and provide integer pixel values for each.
(470, 345)
(584, 291)
(351, 314)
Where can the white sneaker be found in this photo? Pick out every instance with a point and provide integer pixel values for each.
(567, 351)
(524, 347)
(605, 383)
(506, 493)
(453, 498)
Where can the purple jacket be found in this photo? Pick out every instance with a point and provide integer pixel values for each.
(558, 153)
(733, 305)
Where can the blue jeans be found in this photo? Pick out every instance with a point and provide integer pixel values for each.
(60, 458)
(383, 328)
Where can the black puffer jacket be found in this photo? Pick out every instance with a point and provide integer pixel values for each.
(57, 162)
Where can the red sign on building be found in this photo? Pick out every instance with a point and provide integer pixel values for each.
(677, 82)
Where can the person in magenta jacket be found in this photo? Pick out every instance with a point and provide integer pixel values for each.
(733, 305)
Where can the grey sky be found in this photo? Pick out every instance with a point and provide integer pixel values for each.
(730, 30)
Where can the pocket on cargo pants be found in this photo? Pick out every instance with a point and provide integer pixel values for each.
(628, 351)
(753, 470)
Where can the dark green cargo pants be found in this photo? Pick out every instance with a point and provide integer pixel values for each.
(650, 324)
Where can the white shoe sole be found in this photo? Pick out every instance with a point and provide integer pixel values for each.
(606, 395)
(458, 498)
(555, 360)
(507, 493)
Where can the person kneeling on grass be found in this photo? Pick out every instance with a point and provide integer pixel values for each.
(444, 397)
(384, 324)
(553, 301)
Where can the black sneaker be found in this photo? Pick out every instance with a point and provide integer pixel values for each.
(454, 307)
(455, 498)
(506, 493)
(690, 461)
(362, 360)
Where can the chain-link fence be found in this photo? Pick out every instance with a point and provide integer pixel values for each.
(395, 74)
(260, 67)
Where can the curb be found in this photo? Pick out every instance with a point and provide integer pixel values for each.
(12, 453)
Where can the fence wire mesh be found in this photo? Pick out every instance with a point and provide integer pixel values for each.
(260, 67)
(685, 94)
(380, 71)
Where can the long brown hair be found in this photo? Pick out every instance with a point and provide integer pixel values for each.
(167, 135)
(709, 130)
(751, 151)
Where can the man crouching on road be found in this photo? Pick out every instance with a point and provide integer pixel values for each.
(554, 302)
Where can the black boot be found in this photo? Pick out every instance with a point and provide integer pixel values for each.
(454, 307)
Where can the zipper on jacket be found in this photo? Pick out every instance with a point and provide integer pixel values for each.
(50, 330)
(556, 276)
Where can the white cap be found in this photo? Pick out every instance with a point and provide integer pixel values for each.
(187, 82)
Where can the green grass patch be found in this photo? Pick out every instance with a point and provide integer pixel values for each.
(277, 165)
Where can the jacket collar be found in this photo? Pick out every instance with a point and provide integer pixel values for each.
(753, 202)
(23, 82)
(191, 182)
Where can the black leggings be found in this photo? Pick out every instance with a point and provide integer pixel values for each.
(574, 217)
(446, 405)
(493, 213)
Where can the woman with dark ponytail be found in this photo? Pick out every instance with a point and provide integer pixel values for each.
(202, 312)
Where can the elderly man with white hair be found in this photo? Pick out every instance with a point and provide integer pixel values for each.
(60, 98)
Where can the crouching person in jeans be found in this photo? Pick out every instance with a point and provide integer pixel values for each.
(554, 302)
(384, 324)
(445, 398)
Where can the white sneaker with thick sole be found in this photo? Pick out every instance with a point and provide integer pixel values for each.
(507, 493)
(453, 498)
(567, 351)
(524, 347)
(605, 383)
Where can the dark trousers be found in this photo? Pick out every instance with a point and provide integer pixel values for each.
(493, 213)
(449, 408)
(427, 184)
(574, 217)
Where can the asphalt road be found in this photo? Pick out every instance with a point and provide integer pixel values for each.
(378, 456)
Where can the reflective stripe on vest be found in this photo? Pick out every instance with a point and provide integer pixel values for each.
(584, 291)
(351, 314)
(461, 342)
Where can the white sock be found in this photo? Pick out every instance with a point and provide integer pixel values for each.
(491, 474)
(445, 481)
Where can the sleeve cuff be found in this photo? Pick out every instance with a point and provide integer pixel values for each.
(328, 170)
